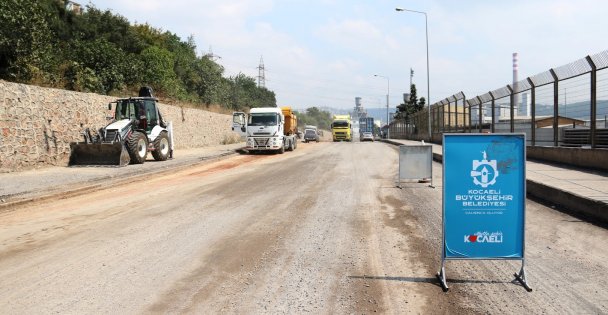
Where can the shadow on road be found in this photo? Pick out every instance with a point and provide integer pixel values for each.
(429, 280)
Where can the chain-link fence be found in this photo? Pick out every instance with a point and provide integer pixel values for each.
(565, 106)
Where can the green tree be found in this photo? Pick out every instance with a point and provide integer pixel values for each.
(158, 70)
(316, 117)
(413, 105)
(206, 81)
(95, 24)
(25, 40)
(108, 62)
(41, 42)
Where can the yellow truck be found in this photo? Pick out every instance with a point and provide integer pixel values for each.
(341, 128)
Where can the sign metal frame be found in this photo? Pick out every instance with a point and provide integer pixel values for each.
(427, 161)
(521, 276)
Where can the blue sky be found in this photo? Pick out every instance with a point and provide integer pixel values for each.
(326, 52)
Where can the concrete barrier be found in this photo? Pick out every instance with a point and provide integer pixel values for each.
(580, 157)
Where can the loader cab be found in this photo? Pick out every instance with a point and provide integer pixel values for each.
(144, 110)
(151, 112)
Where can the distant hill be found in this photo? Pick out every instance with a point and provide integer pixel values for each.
(579, 110)
(380, 113)
(377, 113)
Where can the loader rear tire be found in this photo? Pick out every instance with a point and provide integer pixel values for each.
(161, 147)
(137, 145)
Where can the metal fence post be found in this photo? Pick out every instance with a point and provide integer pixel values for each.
(480, 114)
(435, 121)
(464, 102)
(593, 96)
(533, 110)
(512, 108)
(493, 113)
(456, 117)
(442, 118)
(555, 107)
(449, 115)
(470, 126)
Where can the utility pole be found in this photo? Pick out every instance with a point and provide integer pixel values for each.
(261, 73)
(211, 55)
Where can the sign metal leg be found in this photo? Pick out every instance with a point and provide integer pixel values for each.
(521, 277)
(441, 277)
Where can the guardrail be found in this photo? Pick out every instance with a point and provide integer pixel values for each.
(547, 107)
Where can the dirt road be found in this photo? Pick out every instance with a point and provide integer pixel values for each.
(322, 229)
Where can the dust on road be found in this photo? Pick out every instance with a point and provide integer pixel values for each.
(322, 229)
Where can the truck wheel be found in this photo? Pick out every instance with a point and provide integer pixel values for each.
(291, 146)
(282, 150)
(295, 144)
(161, 147)
(137, 146)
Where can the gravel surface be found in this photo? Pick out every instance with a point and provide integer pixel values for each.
(322, 229)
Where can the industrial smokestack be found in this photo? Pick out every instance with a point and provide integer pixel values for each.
(515, 79)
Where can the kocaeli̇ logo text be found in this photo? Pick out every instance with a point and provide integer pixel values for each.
(484, 237)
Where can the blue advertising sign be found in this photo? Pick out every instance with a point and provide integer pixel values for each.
(484, 196)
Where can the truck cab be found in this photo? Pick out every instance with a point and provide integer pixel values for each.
(341, 128)
(264, 129)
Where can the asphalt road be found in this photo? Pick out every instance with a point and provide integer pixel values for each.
(322, 229)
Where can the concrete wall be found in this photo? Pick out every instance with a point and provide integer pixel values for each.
(585, 158)
(37, 124)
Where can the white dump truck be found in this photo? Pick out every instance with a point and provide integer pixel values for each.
(267, 129)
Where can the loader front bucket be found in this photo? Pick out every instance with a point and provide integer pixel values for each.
(98, 154)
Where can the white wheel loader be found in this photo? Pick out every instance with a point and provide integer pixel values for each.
(136, 129)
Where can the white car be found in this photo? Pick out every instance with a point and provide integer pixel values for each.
(366, 136)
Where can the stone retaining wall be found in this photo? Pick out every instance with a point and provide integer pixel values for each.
(37, 124)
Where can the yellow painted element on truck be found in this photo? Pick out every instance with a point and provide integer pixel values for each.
(291, 122)
(341, 128)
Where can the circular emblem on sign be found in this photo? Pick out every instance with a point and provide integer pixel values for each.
(484, 172)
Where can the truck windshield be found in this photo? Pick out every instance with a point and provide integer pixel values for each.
(269, 119)
(310, 132)
(340, 124)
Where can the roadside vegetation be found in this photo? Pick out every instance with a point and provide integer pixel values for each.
(43, 43)
(412, 106)
(316, 117)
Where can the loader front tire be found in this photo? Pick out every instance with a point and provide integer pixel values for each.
(137, 145)
(161, 147)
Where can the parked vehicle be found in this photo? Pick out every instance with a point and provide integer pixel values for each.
(341, 128)
(267, 129)
(136, 129)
